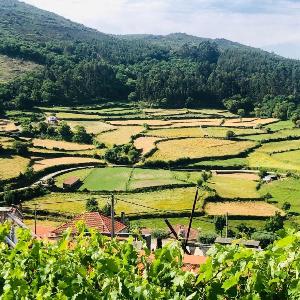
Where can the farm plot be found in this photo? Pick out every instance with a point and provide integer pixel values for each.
(12, 166)
(200, 132)
(248, 122)
(107, 179)
(230, 163)
(7, 126)
(121, 135)
(146, 144)
(73, 116)
(150, 122)
(244, 208)
(194, 148)
(281, 134)
(235, 185)
(94, 127)
(145, 178)
(266, 156)
(281, 125)
(6, 142)
(163, 201)
(51, 162)
(62, 145)
(81, 174)
(284, 190)
(66, 203)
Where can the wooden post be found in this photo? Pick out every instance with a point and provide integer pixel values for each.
(112, 215)
(35, 205)
(226, 224)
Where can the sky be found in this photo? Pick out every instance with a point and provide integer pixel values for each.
(273, 25)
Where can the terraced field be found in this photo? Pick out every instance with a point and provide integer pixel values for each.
(119, 136)
(201, 132)
(41, 164)
(245, 208)
(66, 146)
(95, 127)
(172, 150)
(12, 166)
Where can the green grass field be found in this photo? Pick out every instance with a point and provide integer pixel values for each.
(123, 178)
(284, 190)
(225, 163)
(108, 179)
(281, 125)
(234, 187)
(281, 134)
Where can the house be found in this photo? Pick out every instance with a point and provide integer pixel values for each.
(270, 178)
(94, 220)
(182, 231)
(71, 183)
(229, 241)
(52, 120)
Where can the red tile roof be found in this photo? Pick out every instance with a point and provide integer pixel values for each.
(93, 220)
(193, 232)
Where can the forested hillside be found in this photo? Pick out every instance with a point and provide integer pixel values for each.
(82, 65)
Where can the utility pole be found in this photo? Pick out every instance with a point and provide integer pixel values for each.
(112, 215)
(226, 224)
(35, 205)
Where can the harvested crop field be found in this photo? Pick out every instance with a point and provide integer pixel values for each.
(146, 144)
(150, 122)
(68, 146)
(244, 208)
(12, 166)
(7, 126)
(241, 175)
(94, 127)
(73, 116)
(248, 122)
(46, 163)
(119, 136)
(198, 148)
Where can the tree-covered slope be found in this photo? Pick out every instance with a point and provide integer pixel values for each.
(82, 65)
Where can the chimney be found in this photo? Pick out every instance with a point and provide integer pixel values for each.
(123, 217)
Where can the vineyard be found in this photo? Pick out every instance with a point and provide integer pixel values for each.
(93, 267)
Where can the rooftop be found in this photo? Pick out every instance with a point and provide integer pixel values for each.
(93, 220)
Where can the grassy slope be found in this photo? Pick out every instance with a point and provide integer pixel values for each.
(11, 68)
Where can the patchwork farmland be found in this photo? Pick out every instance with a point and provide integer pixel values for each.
(172, 148)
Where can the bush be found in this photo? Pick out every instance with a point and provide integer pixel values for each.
(274, 223)
(122, 154)
(266, 238)
(207, 238)
(92, 205)
(20, 148)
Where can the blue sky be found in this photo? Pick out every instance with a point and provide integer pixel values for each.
(273, 25)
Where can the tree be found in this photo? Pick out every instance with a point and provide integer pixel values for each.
(241, 112)
(81, 136)
(286, 206)
(20, 148)
(92, 205)
(274, 223)
(230, 135)
(64, 130)
(220, 223)
(106, 209)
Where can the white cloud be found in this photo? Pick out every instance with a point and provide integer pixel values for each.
(253, 22)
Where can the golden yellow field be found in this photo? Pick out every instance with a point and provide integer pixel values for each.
(66, 116)
(150, 122)
(248, 122)
(119, 136)
(145, 143)
(198, 148)
(11, 167)
(6, 142)
(7, 126)
(244, 208)
(68, 146)
(94, 127)
(46, 163)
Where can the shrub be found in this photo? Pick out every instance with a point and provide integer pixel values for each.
(265, 237)
(274, 223)
(20, 148)
(207, 238)
(92, 205)
(122, 154)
